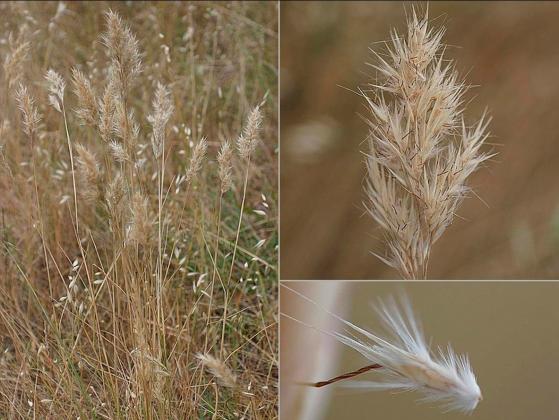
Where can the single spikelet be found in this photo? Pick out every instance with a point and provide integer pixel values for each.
(403, 361)
(196, 160)
(420, 150)
(123, 50)
(248, 140)
(219, 369)
(13, 63)
(87, 103)
(30, 115)
(89, 174)
(224, 160)
(162, 111)
(140, 225)
(55, 86)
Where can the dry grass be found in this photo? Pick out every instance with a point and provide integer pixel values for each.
(420, 150)
(138, 247)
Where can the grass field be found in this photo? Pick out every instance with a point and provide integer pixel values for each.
(138, 210)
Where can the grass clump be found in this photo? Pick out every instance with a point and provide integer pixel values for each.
(138, 247)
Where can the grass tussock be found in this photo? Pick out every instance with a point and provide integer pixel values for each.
(138, 236)
(421, 152)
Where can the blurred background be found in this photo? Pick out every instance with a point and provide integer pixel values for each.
(509, 49)
(511, 338)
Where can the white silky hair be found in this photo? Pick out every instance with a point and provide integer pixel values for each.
(407, 363)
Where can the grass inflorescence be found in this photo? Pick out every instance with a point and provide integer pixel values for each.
(421, 152)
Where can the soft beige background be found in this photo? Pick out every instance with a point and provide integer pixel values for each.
(510, 49)
(510, 330)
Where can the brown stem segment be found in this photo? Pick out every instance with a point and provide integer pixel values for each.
(347, 375)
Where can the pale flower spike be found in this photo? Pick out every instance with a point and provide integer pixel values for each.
(56, 86)
(403, 360)
(420, 150)
(248, 140)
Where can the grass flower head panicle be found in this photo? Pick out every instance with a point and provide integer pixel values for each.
(123, 50)
(125, 126)
(196, 160)
(30, 114)
(115, 192)
(87, 103)
(420, 150)
(107, 108)
(402, 359)
(15, 60)
(162, 111)
(219, 369)
(224, 160)
(55, 86)
(248, 140)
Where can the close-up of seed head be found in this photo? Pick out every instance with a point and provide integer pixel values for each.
(420, 150)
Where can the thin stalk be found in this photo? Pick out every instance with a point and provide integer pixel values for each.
(159, 281)
(216, 250)
(226, 295)
(73, 174)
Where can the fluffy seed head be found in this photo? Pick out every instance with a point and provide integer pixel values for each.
(123, 50)
(248, 140)
(13, 63)
(420, 150)
(55, 86)
(30, 115)
(87, 103)
(224, 160)
(115, 192)
(196, 160)
(124, 125)
(162, 111)
(118, 151)
(403, 360)
(107, 109)
(218, 369)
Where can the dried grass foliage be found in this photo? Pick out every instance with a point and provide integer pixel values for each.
(129, 244)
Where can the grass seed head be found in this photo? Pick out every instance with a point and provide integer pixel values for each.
(55, 86)
(403, 360)
(197, 159)
(123, 50)
(162, 111)
(248, 140)
(224, 160)
(219, 369)
(29, 112)
(14, 61)
(87, 103)
(420, 151)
